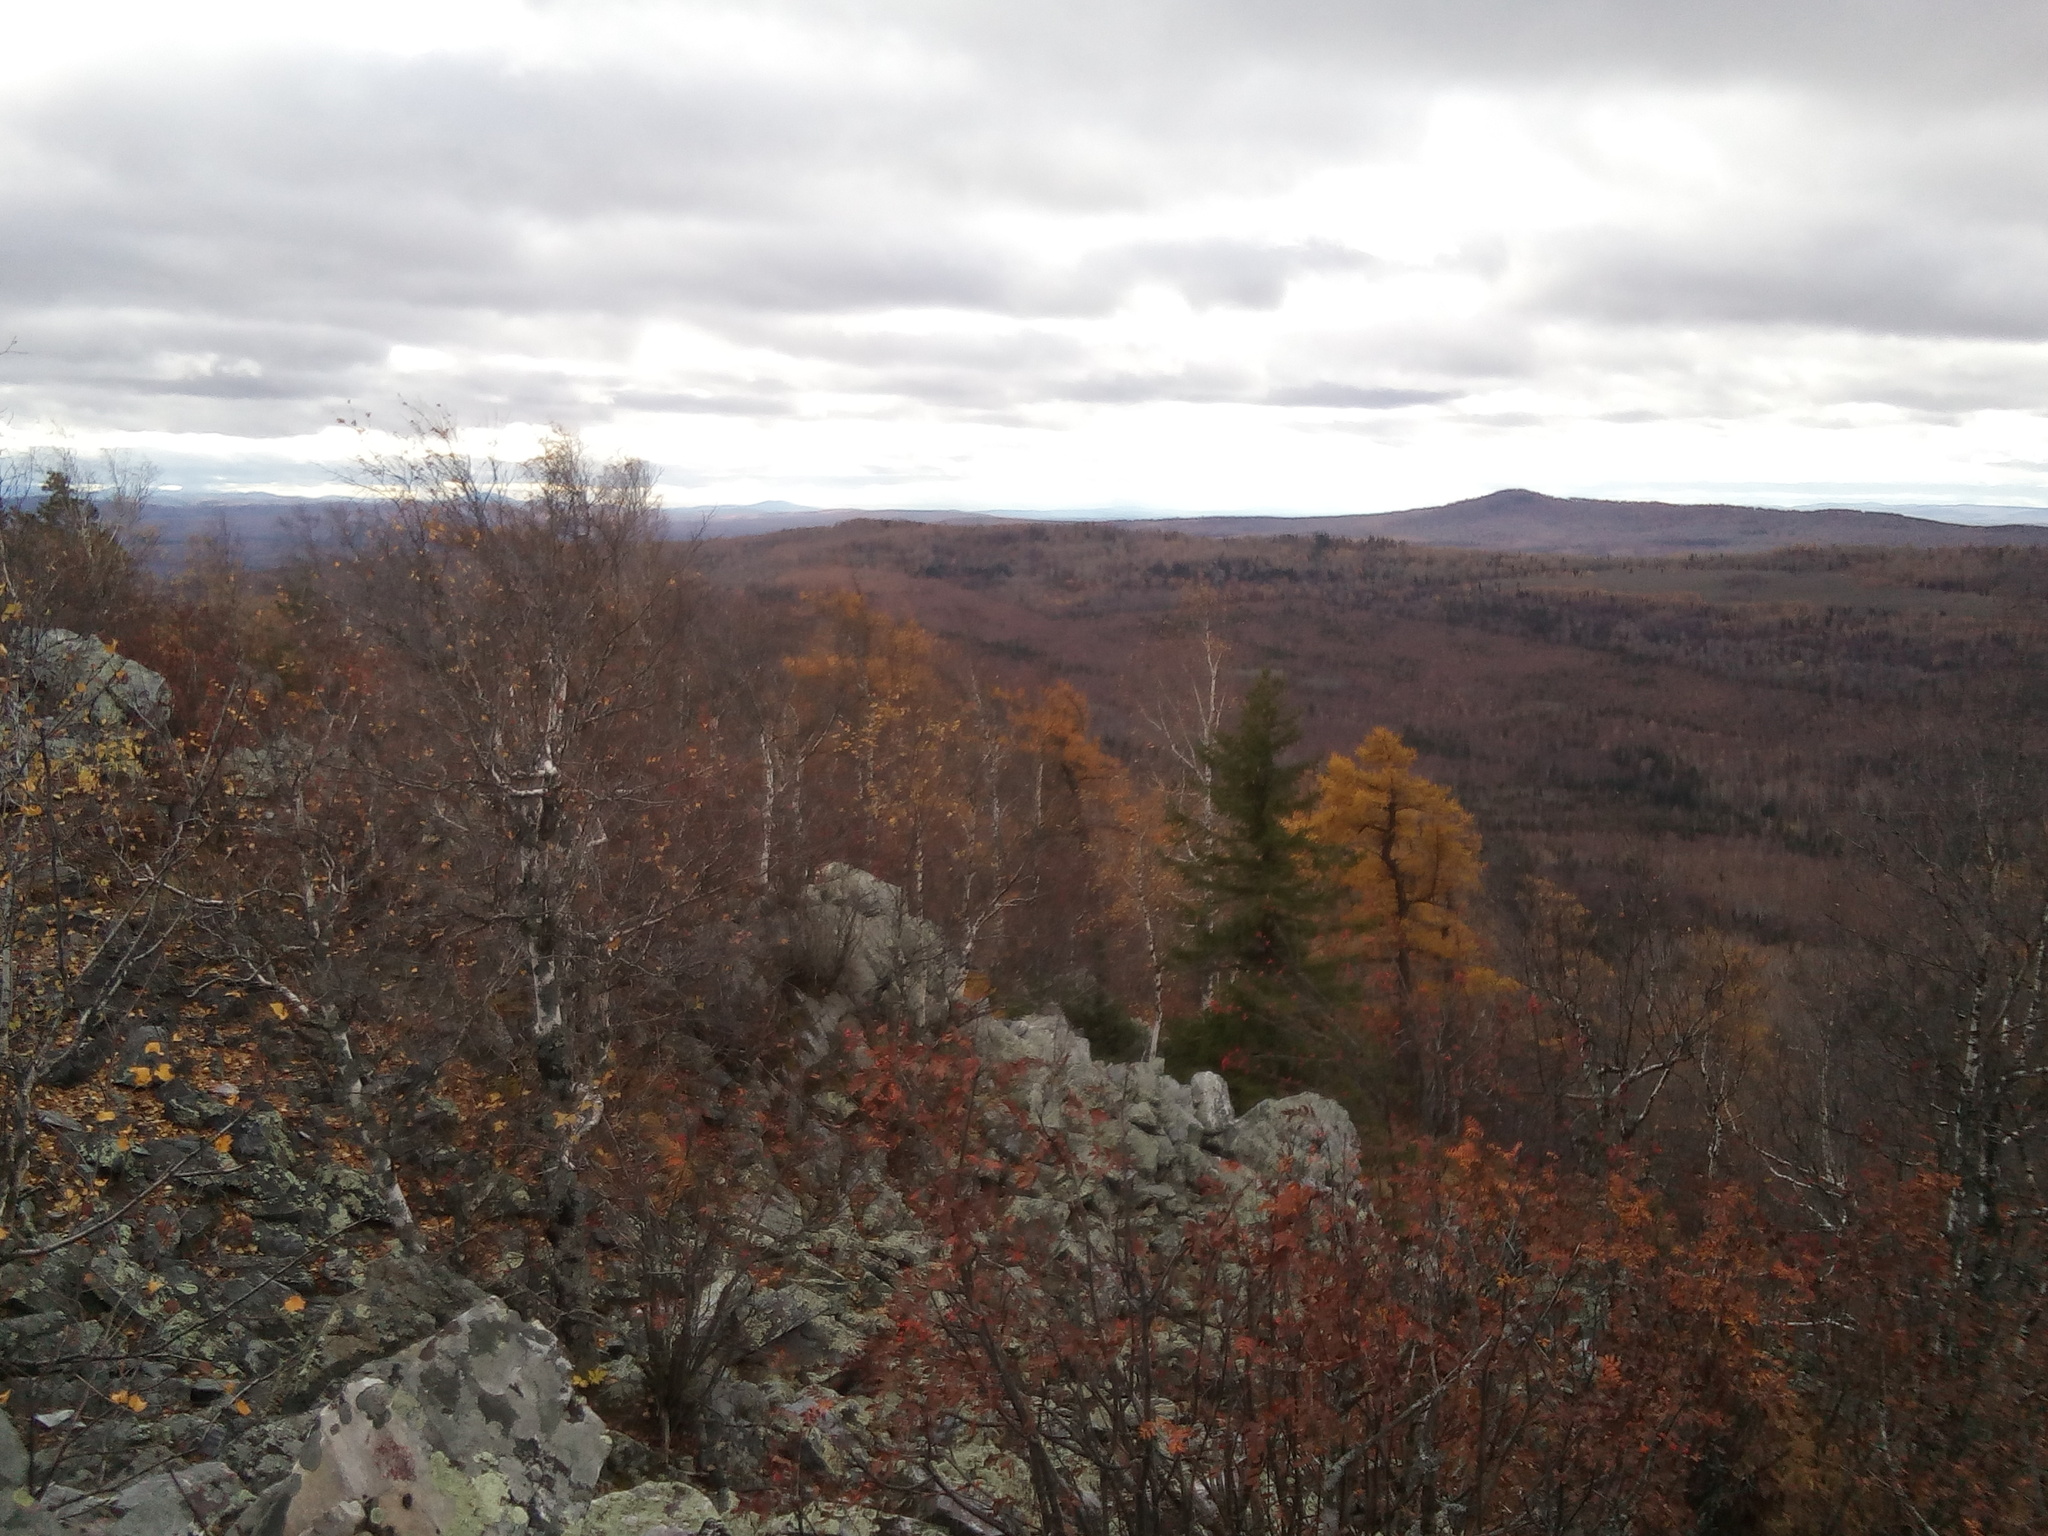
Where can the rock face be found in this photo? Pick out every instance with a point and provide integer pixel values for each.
(178, 1501)
(648, 1508)
(1172, 1132)
(1306, 1137)
(475, 1431)
(412, 1405)
(860, 949)
(110, 690)
(20, 1515)
(402, 1299)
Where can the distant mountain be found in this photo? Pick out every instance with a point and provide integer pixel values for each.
(263, 526)
(781, 516)
(1533, 523)
(1979, 513)
(259, 527)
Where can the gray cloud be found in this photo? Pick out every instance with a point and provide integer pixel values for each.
(239, 249)
(1880, 279)
(1353, 397)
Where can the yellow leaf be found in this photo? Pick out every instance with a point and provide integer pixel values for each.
(105, 1115)
(242, 1408)
(280, 1010)
(153, 1048)
(163, 1072)
(223, 1142)
(139, 1076)
(153, 1287)
(295, 1303)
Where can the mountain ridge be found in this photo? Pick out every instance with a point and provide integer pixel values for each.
(1513, 520)
(1529, 522)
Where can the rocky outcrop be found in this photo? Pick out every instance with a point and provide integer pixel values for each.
(648, 1509)
(392, 1396)
(96, 685)
(475, 1431)
(1126, 1137)
(1305, 1137)
(1169, 1132)
(858, 948)
(177, 1501)
(403, 1298)
(677, 1509)
(20, 1514)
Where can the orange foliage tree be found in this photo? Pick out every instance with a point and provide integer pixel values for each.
(1405, 858)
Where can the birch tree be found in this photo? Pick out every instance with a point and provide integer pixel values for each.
(532, 623)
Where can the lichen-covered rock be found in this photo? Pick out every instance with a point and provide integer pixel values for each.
(177, 1501)
(20, 1514)
(13, 1456)
(267, 1450)
(677, 1509)
(402, 1298)
(1211, 1096)
(475, 1431)
(859, 947)
(104, 688)
(1305, 1137)
(650, 1508)
(1042, 1037)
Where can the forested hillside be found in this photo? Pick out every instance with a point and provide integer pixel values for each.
(502, 897)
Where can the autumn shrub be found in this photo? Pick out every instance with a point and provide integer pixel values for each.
(1466, 1342)
(708, 1198)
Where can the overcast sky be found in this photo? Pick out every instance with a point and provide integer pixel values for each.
(1287, 254)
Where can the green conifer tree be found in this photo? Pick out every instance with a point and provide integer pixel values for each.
(1259, 897)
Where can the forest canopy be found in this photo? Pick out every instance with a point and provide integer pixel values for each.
(473, 856)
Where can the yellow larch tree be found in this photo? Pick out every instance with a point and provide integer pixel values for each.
(1406, 857)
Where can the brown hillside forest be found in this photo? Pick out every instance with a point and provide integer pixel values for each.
(1673, 930)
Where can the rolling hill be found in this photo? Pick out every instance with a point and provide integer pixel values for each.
(1530, 522)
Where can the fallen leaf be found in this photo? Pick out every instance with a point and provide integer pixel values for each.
(295, 1303)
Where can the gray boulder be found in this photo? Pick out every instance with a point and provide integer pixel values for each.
(473, 1432)
(650, 1508)
(1305, 1137)
(1211, 1095)
(20, 1514)
(1038, 1037)
(97, 686)
(403, 1297)
(860, 948)
(13, 1456)
(177, 1501)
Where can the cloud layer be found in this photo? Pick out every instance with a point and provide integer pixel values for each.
(1313, 253)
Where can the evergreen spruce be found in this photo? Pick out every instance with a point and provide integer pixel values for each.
(1259, 899)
